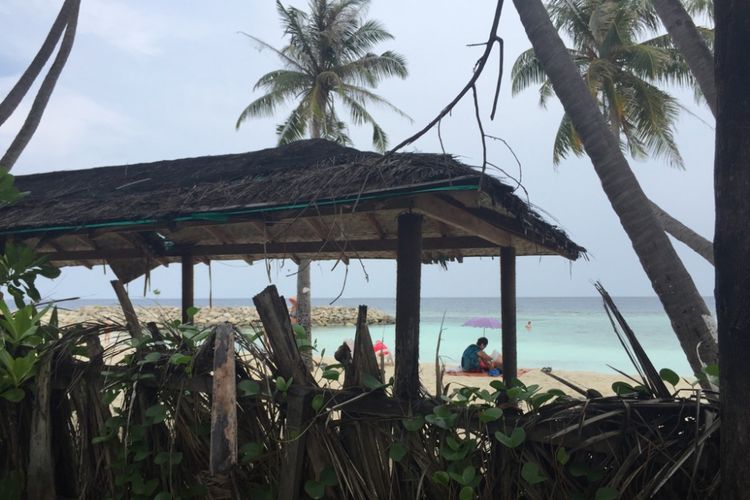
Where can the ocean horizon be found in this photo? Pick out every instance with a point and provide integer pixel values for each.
(567, 333)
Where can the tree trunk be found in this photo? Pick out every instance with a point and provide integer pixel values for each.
(19, 90)
(691, 45)
(304, 305)
(45, 90)
(681, 232)
(683, 304)
(732, 240)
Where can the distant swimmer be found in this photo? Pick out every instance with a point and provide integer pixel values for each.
(528, 326)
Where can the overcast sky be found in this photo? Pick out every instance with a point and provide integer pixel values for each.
(150, 80)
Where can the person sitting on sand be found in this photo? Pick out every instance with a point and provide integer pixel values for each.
(474, 359)
(381, 350)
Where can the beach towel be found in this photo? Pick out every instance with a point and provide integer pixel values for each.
(460, 373)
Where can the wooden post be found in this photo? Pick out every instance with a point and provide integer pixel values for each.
(298, 415)
(188, 287)
(131, 319)
(508, 312)
(408, 289)
(41, 471)
(224, 403)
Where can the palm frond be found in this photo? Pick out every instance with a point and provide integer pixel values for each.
(296, 26)
(282, 55)
(370, 69)
(526, 71)
(567, 140)
(295, 126)
(262, 106)
(364, 97)
(283, 80)
(654, 113)
(361, 116)
(359, 42)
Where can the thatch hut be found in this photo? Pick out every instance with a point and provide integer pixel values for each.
(309, 200)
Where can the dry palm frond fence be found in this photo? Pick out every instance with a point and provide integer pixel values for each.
(189, 413)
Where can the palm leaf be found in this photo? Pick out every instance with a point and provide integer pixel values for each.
(567, 140)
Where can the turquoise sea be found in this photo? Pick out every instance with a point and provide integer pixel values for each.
(568, 333)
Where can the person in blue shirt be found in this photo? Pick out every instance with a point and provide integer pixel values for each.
(474, 359)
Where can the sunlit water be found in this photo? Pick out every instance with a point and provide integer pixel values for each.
(571, 333)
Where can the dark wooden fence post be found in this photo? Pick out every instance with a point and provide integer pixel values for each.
(408, 289)
(299, 412)
(188, 286)
(508, 299)
(224, 403)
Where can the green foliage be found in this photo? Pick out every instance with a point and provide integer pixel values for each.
(397, 451)
(328, 65)
(532, 474)
(669, 376)
(20, 266)
(622, 69)
(516, 438)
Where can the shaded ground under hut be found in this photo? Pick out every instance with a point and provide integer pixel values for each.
(311, 199)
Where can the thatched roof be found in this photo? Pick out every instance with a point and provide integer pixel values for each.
(254, 194)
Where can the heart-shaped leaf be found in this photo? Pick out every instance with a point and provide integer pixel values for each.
(490, 415)
(413, 424)
(531, 473)
(514, 440)
(467, 493)
(441, 477)
(606, 493)
(249, 388)
(315, 489)
(397, 451)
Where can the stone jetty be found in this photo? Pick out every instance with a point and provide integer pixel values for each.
(239, 316)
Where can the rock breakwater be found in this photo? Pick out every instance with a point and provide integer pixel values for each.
(239, 316)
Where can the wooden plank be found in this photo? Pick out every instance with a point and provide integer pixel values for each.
(408, 289)
(456, 215)
(40, 483)
(375, 223)
(224, 403)
(508, 311)
(277, 328)
(188, 286)
(131, 319)
(299, 411)
(302, 249)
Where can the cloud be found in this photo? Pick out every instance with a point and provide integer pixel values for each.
(123, 26)
(72, 124)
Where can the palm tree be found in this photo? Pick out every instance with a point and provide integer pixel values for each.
(672, 283)
(732, 177)
(66, 20)
(328, 65)
(619, 69)
(686, 36)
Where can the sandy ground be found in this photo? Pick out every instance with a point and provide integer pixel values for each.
(601, 382)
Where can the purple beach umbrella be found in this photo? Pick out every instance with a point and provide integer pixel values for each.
(484, 322)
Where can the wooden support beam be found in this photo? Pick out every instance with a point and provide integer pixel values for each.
(188, 286)
(375, 223)
(508, 311)
(456, 215)
(318, 228)
(131, 319)
(222, 237)
(223, 403)
(279, 249)
(408, 289)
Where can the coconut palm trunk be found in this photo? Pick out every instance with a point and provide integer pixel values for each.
(700, 245)
(683, 304)
(45, 90)
(22, 87)
(732, 240)
(693, 48)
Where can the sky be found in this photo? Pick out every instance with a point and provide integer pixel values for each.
(150, 80)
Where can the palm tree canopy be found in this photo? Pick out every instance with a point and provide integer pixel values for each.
(622, 68)
(328, 65)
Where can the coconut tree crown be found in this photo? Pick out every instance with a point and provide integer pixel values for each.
(621, 69)
(328, 65)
